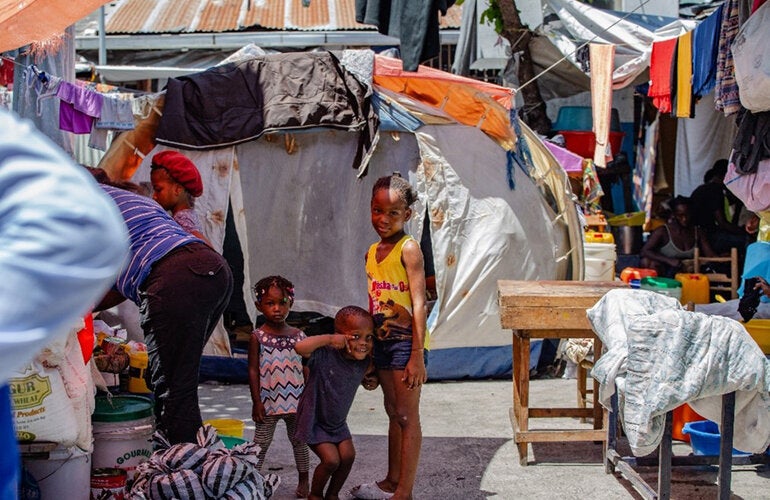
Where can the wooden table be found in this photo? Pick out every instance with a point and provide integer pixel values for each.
(549, 309)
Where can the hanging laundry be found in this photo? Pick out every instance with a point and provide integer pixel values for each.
(415, 24)
(726, 98)
(705, 46)
(602, 65)
(6, 72)
(117, 114)
(661, 60)
(684, 103)
(78, 108)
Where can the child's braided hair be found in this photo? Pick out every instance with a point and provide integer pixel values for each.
(281, 283)
(398, 184)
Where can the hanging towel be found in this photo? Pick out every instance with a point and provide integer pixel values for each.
(726, 98)
(684, 107)
(661, 60)
(78, 108)
(602, 64)
(705, 46)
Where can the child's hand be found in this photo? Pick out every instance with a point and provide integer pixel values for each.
(258, 412)
(415, 373)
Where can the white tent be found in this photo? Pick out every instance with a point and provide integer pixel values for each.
(302, 212)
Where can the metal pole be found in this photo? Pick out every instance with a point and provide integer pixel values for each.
(102, 38)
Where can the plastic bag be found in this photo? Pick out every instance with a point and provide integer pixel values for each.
(752, 66)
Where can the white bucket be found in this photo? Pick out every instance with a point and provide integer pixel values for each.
(599, 270)
(604, 251)
(63, 473)
(122, 432)
(599, 260)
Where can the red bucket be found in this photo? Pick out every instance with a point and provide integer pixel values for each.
(583, 142)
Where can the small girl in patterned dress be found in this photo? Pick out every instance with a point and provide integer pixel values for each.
(276, 376)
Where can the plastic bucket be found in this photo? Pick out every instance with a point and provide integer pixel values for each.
(665, 286)
(759, 329)
(61, 473)
(230, 441)
(705, 438)
(227, 426)
(137, 364)
(599, 270)
(599, 260)
(683, 414)
(123, 427)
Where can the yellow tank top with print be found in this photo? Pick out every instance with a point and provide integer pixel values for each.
(390, 301)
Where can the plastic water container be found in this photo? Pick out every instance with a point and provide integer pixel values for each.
(598, 237)
(636, 273)
(122, 427)
(137, 365)
(695, 287)
(61, 473)
(599, 260)
(665, 286)
(230, 427)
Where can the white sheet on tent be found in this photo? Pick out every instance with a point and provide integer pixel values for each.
(700, 141)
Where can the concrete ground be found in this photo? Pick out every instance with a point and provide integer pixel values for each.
(468, 451)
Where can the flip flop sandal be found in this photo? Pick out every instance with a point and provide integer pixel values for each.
(370, 491)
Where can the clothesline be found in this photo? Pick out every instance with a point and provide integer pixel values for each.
(605, 30)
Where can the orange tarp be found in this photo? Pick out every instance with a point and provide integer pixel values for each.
(22, 23)
(468, 101)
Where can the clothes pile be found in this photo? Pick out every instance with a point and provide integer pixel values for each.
(202, 471)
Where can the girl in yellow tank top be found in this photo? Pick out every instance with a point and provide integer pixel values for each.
(396, 279)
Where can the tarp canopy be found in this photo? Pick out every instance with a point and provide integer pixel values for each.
(301, 211)
(569, 25)
(22, 23)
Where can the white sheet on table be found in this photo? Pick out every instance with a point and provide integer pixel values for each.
(660, 356)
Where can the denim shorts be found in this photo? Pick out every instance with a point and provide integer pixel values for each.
(394, 355)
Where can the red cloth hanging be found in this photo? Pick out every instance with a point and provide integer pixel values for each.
(661, 59)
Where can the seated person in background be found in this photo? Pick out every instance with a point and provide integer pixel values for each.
(710, 217)
(757, 265)
(674, 241)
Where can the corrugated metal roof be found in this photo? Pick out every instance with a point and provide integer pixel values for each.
(218, 16)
